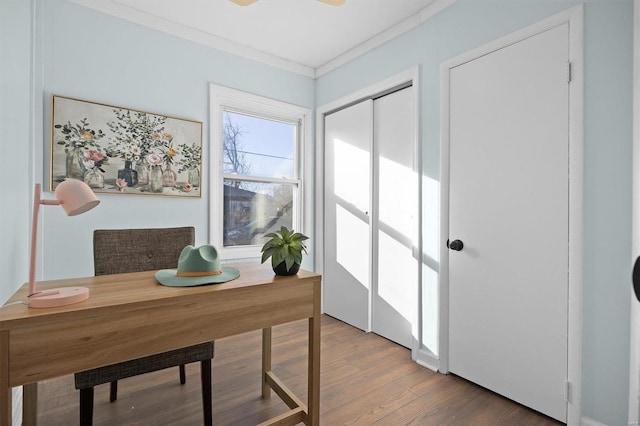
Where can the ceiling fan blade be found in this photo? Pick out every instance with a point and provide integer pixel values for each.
(333, 2)
(243, 2)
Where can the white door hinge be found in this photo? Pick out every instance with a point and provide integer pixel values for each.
(567, 391)
(568, 72)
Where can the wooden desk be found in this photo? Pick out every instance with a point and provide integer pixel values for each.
(130, 315)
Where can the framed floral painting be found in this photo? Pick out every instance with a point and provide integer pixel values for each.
(124, 151)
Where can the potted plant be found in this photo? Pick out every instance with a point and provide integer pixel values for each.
(285, 250)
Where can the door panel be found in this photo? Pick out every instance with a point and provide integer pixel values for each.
(395, 291)
(347, 241)
(508, 286)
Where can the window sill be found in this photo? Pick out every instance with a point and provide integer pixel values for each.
(240, 253)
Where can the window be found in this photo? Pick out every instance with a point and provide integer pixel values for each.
(257, 170)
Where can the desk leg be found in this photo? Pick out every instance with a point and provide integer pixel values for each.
(266, 360)
(30, 404)
(313, 381)
(5, 389)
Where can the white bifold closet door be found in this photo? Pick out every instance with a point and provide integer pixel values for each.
(347, 239)
(371, 212)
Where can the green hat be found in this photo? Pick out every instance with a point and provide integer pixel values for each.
(197, 266)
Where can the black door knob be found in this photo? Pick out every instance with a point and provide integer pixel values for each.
(636, 278)
(455, 245)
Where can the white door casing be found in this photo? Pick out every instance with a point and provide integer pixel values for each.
(505, 347)
(391, 288)
(634, 365)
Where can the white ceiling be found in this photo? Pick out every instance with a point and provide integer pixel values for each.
(305, 36)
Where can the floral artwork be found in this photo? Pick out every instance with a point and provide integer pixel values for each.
(124, 151)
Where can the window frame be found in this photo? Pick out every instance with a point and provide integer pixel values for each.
(226, 99)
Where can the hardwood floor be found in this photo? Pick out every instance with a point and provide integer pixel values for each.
(365, 380)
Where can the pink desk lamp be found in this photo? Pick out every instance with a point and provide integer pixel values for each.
(75, 197)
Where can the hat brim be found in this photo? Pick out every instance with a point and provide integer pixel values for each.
(168, 277)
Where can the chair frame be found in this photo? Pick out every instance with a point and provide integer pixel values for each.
(156, 248)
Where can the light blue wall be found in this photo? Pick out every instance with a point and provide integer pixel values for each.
(16, 139)
(608, 196)
(93, 56)
(608, 151)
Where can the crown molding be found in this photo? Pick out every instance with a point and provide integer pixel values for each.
(130, 14)
(400, 28)
(119, 10)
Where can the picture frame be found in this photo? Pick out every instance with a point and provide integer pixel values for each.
(119, 150)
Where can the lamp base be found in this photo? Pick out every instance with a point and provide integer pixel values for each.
(59, 297)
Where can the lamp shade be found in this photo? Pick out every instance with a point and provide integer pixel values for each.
(75, 197)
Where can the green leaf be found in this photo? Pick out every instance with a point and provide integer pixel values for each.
(276, 259)
(289, 261)
(267, 254)
(270, 244)
(271, 235)
(286, 234)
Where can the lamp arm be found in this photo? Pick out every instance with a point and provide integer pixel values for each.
(34, 239)
(34, 234)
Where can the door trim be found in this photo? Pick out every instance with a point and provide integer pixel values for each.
(634, 365)
(404, 78)
(574, 17)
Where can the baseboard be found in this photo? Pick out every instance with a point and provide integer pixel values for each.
(427, 359)
(16, 403)
(586, 421)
